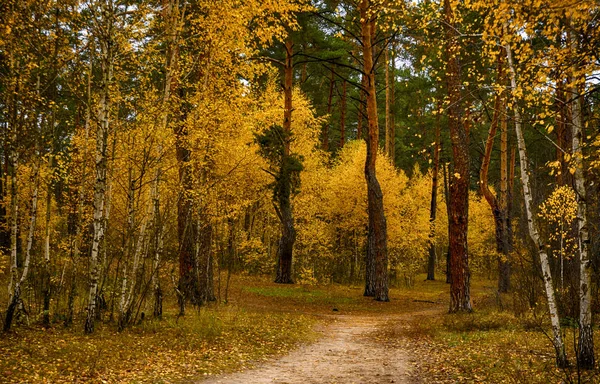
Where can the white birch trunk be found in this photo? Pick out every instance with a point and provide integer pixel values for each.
(14, 213)
(561, 358)
(586, 334)
(106, 61)
(158, 243)
(14, 288)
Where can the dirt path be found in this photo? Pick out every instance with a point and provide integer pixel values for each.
(353, 349)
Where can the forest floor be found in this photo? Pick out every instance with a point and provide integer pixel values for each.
(269, 333)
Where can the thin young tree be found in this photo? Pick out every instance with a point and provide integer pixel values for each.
(499, 205)
(432, 256)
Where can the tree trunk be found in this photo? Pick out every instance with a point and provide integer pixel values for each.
(4, 226)
(186, 230)
(343, 116)
(433, 206)
(388, 122)
(460, 297)
(503, 244)
(158, 241)
(585, 351)
(15, 294)
(288, 232)
(187, 285)
(392, 152)
(561, 357)
(46, 268)
(377, 257)
(505, 206)
(326, 127)
(134, 250)
(106, 63)
(76, 232)
(563, 136)
(205, 260)
(14, 217)
(361, 110)
(447, 201)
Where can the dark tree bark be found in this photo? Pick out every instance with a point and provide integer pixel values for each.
(288, 232)
(343, 116)
(392, 152)
(4, 227)
(205, 261)
(564, 138)
(187, 232)
(433, 206)
(329, 105)
(377, 257)
(186, 228)
(447, 200)
(460, 299)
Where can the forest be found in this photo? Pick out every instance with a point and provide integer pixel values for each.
(191, 188)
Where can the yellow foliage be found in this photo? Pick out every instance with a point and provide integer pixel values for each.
(559, 212)
(482, 235)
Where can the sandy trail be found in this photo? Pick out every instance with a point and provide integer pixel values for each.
(353, 349)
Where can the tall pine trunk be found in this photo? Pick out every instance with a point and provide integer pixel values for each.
(288, 232)
(188, 285)
(377, 256)
(505, 206)
(360, 110)
(458, 219)
(343, 115)
(326, 127)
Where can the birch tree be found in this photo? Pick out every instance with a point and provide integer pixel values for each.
(585, 358)
(532, 225)
(103, 31)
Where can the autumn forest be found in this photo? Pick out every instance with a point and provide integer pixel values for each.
(195, 188)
